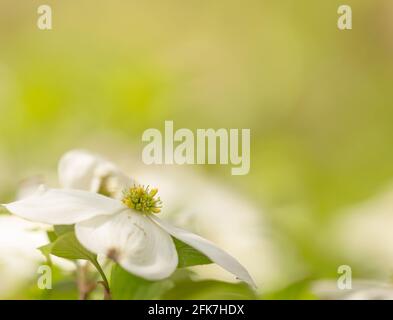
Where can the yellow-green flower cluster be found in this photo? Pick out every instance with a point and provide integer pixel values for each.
(142, 199)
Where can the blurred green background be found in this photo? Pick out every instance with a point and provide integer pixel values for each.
(319, 101)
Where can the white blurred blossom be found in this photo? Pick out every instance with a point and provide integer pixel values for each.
(361, 290)
(363, 234)
(19, 257)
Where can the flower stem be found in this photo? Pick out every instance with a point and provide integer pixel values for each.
(85, 287)
(104, 281)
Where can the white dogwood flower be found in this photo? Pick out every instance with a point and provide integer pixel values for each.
(126, 230)
(83, 170)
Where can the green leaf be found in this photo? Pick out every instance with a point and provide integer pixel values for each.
(210, 290)
(52, 236)
(188, 256)
(46, 251)
(67, 246)
(126, 286)
(62, 229)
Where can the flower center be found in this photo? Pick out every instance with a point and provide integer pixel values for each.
(142, 199)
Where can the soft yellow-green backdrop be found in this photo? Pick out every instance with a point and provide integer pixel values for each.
(318, 101)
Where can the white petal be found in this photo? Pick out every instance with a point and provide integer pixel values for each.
(215, 254)
(134, 241)
(29, 186)
(76, 170)
(61, 206)
(83, 170)
(19, 257)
